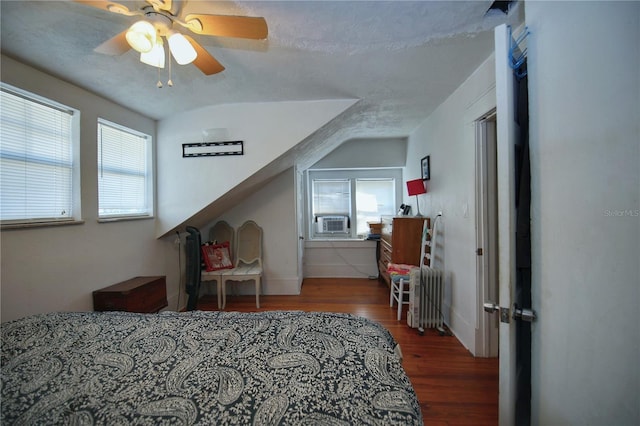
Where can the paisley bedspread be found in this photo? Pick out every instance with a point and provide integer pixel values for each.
(266, 368)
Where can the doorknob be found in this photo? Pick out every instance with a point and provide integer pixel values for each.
(490, 307)
(528, 315)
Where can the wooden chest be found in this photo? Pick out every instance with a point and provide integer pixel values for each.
(139, 294)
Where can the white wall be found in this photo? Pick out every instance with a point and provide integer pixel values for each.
(268, 130)
(584, 82)
(273, 209)
(448, 136)
(366, 153)
(57, 268)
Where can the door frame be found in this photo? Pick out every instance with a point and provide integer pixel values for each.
(487, 332)
(300, 223)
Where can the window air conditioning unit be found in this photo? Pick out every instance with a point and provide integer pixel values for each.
(332, 224)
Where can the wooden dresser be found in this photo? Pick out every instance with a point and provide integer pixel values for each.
(139, 294)
(400, 242)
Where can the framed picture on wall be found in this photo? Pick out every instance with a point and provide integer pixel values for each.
(424, 166)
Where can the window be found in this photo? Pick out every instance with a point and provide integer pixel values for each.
(343, 201)
(374, 198)
(331, 197)
(39, 159)
(125, 178)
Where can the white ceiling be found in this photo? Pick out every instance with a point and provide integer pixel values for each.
(400, 58)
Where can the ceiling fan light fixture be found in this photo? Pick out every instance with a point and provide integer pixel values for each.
(154, 57)
(181, 49)
(141, 36)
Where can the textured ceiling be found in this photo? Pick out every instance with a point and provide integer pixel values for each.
(400, 58)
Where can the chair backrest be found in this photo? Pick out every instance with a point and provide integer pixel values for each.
(193, 266)
(249, 243)
(424, 243)
(222, 232)
(430, 239)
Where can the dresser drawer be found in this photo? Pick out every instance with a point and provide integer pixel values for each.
(384, 258)
(139, 294)
(385, 252)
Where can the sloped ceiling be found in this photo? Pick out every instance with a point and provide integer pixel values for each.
(400, 59)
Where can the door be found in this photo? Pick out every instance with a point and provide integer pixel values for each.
(514, 245)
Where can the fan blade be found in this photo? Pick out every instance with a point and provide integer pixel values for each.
(228, 26)
(161, 4)
(109, 6)
(114, 46)
(204, 61)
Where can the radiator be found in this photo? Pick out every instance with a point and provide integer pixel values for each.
(425, 298)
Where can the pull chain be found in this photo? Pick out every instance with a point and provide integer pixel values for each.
(170, 82)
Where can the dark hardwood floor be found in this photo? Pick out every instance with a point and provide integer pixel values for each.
(453, 387)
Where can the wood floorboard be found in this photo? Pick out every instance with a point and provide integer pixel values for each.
(453, 387)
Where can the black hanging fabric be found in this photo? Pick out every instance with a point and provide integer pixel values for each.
(193, 267)
(523, 250)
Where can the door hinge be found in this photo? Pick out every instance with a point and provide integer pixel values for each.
(479, 251)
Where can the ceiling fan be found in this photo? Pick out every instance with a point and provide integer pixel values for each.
(159, 19)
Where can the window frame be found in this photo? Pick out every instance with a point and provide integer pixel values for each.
(149, 173)
(352, 175)
(75, 216)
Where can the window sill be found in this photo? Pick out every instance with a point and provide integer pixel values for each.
(337, 243)
(29, 225)
(123, 218)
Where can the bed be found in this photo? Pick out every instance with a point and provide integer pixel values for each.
(265, 368)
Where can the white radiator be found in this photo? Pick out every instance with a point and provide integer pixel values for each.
(425, 298)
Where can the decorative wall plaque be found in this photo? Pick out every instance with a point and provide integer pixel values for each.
(212, 149)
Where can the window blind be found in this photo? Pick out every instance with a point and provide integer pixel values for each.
(331, 196)
(36, 159)
(123, 172)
